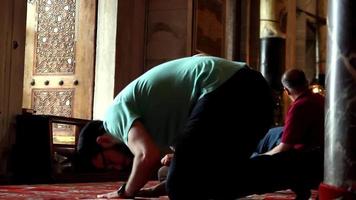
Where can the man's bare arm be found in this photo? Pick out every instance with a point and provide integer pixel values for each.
(146, 158)
(279, 148)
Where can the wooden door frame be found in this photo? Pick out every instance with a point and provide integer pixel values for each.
(130, 44)
(77, 83)
(12, 69)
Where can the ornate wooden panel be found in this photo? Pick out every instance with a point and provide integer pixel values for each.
(55, 49)
(59, 59)
(53, 102)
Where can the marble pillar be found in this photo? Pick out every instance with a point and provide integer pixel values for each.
(272, 38)
(340, 129)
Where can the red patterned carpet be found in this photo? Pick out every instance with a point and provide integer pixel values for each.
(280, 195)
(60, 191)
(91, 190)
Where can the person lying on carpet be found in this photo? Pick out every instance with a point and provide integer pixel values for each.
(197, 104)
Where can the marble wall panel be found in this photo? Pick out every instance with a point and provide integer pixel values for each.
(166, 36)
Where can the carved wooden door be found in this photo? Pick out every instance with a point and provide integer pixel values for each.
(59, 58)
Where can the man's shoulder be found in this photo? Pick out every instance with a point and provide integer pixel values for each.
(316, 98)
(309, 103)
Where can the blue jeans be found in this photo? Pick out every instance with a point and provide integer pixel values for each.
(269, 141)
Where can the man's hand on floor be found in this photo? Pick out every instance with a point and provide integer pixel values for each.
(154, 191)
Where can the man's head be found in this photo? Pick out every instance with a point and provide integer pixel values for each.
(294, 81)
(98, 150)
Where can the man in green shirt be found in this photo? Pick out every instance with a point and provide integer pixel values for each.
(211, 110)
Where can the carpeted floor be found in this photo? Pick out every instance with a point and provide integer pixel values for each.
(279, 195)
(60, 191)
(91, 190)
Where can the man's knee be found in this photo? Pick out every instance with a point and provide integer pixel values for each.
(162, 173)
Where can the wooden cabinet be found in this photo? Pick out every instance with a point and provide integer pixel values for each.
(38, 159)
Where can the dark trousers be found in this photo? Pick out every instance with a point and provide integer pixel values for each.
(223, 130)
(298, 170)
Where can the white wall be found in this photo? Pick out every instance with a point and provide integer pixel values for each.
(105, 57)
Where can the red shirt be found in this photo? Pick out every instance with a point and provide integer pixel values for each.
(304, 123)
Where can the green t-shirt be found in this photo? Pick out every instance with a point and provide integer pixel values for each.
(163, 97)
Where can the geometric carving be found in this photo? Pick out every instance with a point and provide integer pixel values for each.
(55, 49)
(57, 102)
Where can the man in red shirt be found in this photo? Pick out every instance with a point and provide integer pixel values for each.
(304, 123)
(293, 154)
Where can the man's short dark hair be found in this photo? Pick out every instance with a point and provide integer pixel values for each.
(87, 147)
(294, 79)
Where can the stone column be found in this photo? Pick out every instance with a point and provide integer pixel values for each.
(272, 23)
(340, 129)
